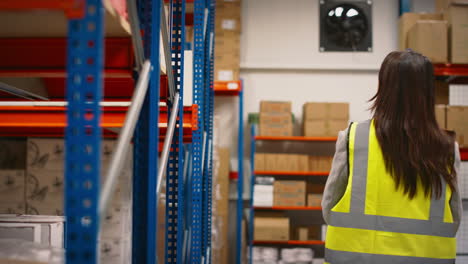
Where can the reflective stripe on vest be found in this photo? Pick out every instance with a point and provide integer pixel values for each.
(431, 233)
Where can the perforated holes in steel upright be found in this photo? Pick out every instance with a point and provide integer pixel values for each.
(83, 134)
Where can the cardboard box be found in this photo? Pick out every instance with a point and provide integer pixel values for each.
(12, 207)
(324, 128)
(442, 5)
(284, 129)
(289, 199)
(275, 107)
(259, 161)
(457, 120)
(303, 163)
(314, 200)
(441, 115)
(270, 162)
(322, 163)
(457, 18)
(12, 186)
(407, 21)
(429, 37)
(263, 227)
(313, 188)
(441, 92)
(302, 233)
(325, 111)
(289, 186)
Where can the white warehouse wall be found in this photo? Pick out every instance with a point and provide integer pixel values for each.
(280, 58)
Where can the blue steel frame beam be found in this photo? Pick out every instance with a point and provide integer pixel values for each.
(175, 224)
(195, 254)
(85, 58)
(146, 144)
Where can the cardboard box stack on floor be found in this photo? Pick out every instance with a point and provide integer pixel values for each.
(275, 119)
(227, 40)
(325, 119)
(289, 193)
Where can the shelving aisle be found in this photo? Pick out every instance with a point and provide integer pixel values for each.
(90, 112)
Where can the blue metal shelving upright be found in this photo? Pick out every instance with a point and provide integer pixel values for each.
(146, 143)
(175, 224)
(83, 134)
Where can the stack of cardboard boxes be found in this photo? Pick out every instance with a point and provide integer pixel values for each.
(38, 189)
(275, 119)
(325, 119)
(279, 227)
(441, 36)
(227, 40)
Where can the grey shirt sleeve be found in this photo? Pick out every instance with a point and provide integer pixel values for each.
(455, 201)
(338, 178)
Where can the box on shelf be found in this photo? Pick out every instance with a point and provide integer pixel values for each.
(276, 124)
(441, 115)
(290, 186)
(457, 117)
(315, 188)
(324, 128)
(302, 233)
(441, 92)
(457, 17)
(263, 227)
(259, 161)
(289, 199)
(277, 107)
(263, 191)
(320, 163)
(325, 111)
(314, 200)
(303, 163)
(407, 21)
(429, 37)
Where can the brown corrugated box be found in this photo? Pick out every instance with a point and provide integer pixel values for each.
(302, 233)
(303, 163)
(457, 120)
(326, 111)
(324, 128)
(289, 198)
(314, 199)
(320, 163)
(441, 115)
(441, 92)
(442, 5)
(457, 18)
(259, 161)
(289, 187)
(275, 107)
(407, 21)
(429, 37)
(263, 227)
(270, 162)
(275, 124)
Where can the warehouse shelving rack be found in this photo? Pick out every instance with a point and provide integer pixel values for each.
(235, 88)
(84, 118)
(283, 174)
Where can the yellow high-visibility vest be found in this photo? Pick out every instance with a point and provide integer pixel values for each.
(375, 223)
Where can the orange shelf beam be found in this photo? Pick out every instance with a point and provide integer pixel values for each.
(319, 139)
(292, 173)
(289, 208)
(289, 242)
(228, 88)
(451, 69)
(51, 121)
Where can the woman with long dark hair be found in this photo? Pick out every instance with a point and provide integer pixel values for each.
(392, 194)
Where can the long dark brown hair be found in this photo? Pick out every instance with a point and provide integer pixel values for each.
(414, 147)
